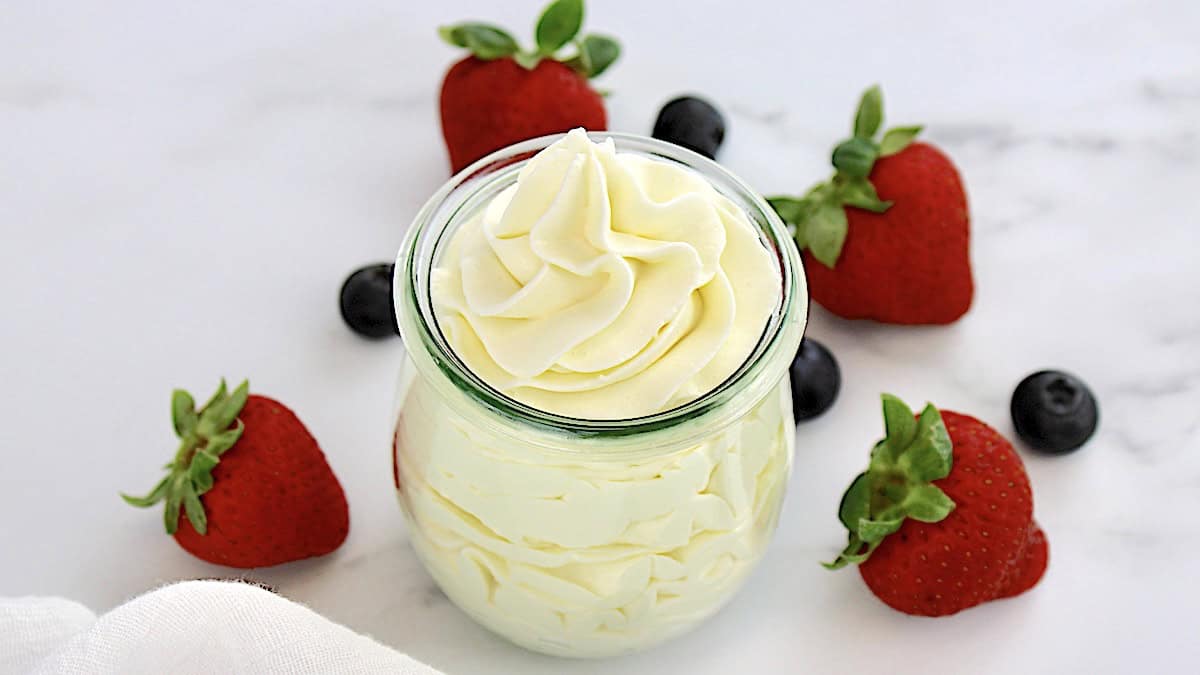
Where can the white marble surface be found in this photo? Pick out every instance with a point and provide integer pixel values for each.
(183, 187)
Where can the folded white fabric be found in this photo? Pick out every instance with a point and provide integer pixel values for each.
(192, 627)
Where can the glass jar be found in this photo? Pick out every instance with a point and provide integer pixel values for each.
(583, 537)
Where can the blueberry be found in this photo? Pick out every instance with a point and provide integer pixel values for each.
(1054, 411)
(816, 380)
(693, 123)
(366, 301)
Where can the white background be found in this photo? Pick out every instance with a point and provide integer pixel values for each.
(184, 185)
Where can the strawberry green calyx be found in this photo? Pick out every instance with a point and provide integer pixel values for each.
(558, 26)
(203, 437)
(898, 484)
(818, 218)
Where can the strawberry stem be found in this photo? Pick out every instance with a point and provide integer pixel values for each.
(203, 437)
(818, 219)
(898, 483)
(558, 26)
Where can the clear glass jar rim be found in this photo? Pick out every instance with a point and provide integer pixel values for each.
(419, 325)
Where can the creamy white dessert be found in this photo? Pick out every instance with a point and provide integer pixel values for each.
(589, 557)
(602, 285)
(605, 285)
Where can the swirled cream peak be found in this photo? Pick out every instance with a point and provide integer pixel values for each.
(604, 284)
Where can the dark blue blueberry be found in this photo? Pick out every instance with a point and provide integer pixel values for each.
(816, 380)
(693, 123)
(366, 301)
(1054, 411)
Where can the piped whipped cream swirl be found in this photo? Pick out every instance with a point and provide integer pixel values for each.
(605, 285)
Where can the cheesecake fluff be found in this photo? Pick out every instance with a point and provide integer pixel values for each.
(605, 285)
(602, 285)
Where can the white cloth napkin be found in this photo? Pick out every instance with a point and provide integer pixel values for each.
(198, 627)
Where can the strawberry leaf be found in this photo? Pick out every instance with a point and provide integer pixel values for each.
(854, 553)
(924, 462)
(870, 113)
(156, 495)
(183, 413)
(853, 160)
(485, 41)
(200, 470)
(825, 232)
(883, 460)
(799, 213)
(596, 54)
(800, 235)
(225, 440)
(221, 413)
(928, 504)
(896, 139)
(194, 509)
(794, 212)
(931, 452)
(856, 502)
(558, 25)
(873, 531)
(897, 483)
(171, 513)
(527, 60)
(218, 396)
(859, 192)
(790, 209)
(203, 437)
(899, 425)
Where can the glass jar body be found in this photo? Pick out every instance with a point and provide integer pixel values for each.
(581, 537)
(576, 554)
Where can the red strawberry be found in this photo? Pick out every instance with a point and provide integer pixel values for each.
(249, 486)
(943, 518)
(1030, 567)
(502, 95)
(488, 105)
(887, 237)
